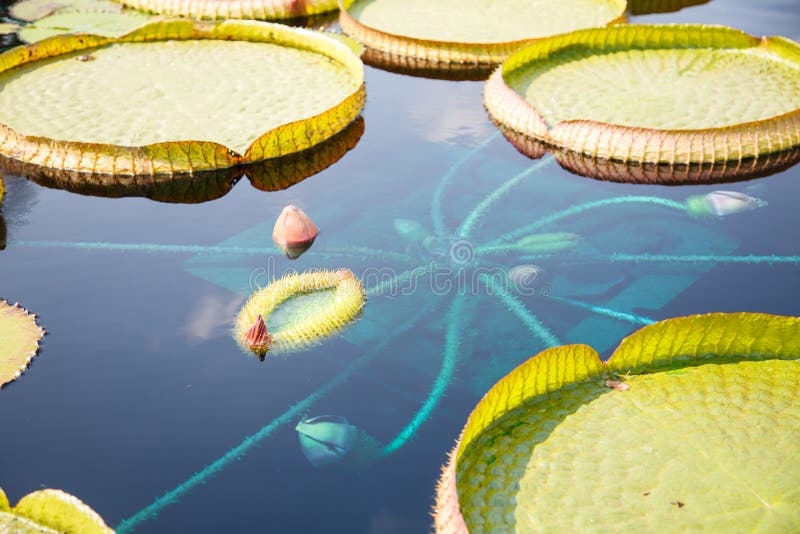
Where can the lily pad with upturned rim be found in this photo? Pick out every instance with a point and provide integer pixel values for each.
(223, 82)
(234, 9)
(649, 173)
(480, 32)
(19, 340)
(654, 93)
(703, 434)
(49, 511)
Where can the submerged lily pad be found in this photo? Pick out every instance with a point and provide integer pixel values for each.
(141, 104)
(49, 511)
(692, 423)
(235, 9)
(101, 23)
(475, 31)
(19, 340)
(674, 94)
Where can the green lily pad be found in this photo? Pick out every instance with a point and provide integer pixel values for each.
(235, 9)
(476, 31)
(19, 340)
(32, 10)
(50, 511)
(99, 23)
(692, 424)
(654, 94)
(176, 96)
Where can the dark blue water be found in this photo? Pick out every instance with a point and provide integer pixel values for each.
(139, 384)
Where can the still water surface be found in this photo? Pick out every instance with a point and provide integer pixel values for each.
(139, 385)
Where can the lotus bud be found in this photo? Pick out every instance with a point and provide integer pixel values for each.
(258, 339)
(721, 203)
(294, 232)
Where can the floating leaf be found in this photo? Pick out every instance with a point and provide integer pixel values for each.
(655, 173)
(310, 306)
(698, 410)
(32, 10)
(19, 340)
(480, 33)
(100, 23)
(125, 104)
(672, 94)
(50, 511)
(235, 9)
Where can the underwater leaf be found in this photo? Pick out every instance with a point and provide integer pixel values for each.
(301, 86)
(476, 32)
(101, 23)
(693, 423)
(50, 511)
(324, 303)
(235, 9)
(19, 340)
(682, 94)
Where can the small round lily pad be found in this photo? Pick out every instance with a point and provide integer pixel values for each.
(19, 340)
(693, 423)
(479, 32)
(672, 94)
(176, 96)
(235, 9)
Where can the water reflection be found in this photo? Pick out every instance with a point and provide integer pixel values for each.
(279, 173)
(662, 173)
(192, 188)
(422, 68)
(646, 7)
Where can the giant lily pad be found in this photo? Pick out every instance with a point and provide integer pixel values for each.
(235, 9)
(650, 173)
(481, 32)
(49, 511)
(692, 423)
(673, 94)
(19, 340)
(176, 96)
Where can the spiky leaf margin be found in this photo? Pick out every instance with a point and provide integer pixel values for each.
(184, 156)
(667, 345)
(737, 143)
(19, 340)
(433, 52)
